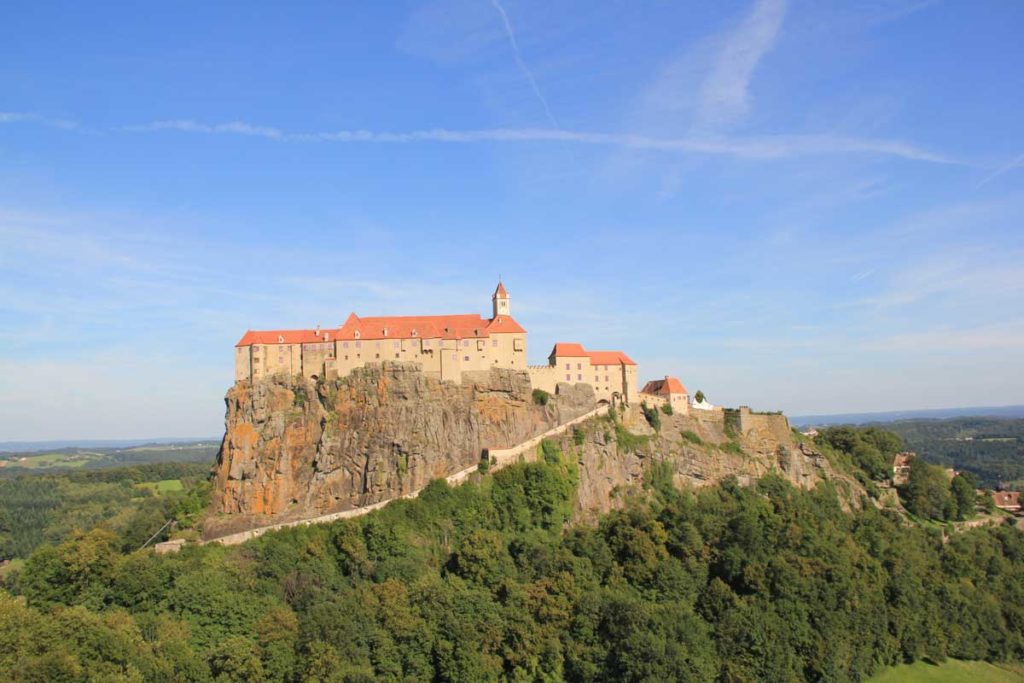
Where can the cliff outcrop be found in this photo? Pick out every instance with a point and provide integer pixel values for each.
(700, 449)
(295, 448)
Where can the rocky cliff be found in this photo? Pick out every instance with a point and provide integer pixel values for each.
(294, 448)
(699, 449)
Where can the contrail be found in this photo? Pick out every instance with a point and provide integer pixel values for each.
(1019, 161)
(522, 65)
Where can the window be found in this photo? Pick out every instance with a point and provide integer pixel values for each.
(396, 344)
(568, 378)
(346, 357)
(579, 378)
(396, 355)
(517, 344)
(426, 343)
(494, 343)
(344, 345)
(359, 345)
(414, 333)
(377, 356)
(568, 366)
(357, 335)
(465, 342)
(466, 358)
(606, 378)
(377, 344)
(579, 366)
(480, 344)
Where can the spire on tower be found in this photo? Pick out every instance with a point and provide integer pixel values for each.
(500, 300)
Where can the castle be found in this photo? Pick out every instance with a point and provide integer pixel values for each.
(446, 346)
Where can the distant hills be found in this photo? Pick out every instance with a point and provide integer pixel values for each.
(31, 446)
(894, 415)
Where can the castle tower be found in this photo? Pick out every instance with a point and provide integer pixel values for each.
(500, 300)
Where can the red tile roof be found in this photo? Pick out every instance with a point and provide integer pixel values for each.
(609, 358)
(568, 350)
(504, 324)
(572, 350)
(500, 291)
(664, 387)
(1006, 499)
(393, 327)
(284, 337)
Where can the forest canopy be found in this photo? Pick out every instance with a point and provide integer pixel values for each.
(489, 581)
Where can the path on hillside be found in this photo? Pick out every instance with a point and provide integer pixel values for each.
(500, 458)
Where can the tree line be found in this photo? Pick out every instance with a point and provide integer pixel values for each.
(492, 582)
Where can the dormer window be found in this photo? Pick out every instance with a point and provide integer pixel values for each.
(357, 334)
(385, 331)
(280, 339)
(414, 333)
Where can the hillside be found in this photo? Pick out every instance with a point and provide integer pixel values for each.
(488, 582)
(65, 457)
(990, 448)
(297, 449)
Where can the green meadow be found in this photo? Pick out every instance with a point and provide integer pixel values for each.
(952, 671)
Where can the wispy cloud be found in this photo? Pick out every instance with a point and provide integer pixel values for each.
(758, 147)
(28, 117)
(725, 94)
(997, 336)
(1016, 162)
(522, 63)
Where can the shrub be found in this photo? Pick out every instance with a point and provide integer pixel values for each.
(578, 436)
(652, 417)
(627, 440)
(692, 437)
(541, 397)
(485, 463)
(732, 447)
(666, 408)
(699, 396)
(551, 451)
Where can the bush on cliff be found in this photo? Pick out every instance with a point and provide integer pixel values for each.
(541, 397)
(652, 417)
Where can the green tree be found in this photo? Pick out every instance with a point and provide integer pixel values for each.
(927, 494)
(965, 498)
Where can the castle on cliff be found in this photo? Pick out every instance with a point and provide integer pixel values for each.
(446, 346)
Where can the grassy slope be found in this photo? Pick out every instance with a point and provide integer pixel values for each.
(952, 671)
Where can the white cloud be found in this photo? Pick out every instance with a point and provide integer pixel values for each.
(725, 94)
(1009, 336)
(27, 117)
(1016, 162)
(522, 64)
(765, 147)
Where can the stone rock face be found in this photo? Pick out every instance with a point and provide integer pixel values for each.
(700, 450)
(293, 448)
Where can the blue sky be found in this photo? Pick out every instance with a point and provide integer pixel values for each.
(808, 206)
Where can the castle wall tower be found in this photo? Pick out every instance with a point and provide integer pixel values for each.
(500, 301)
